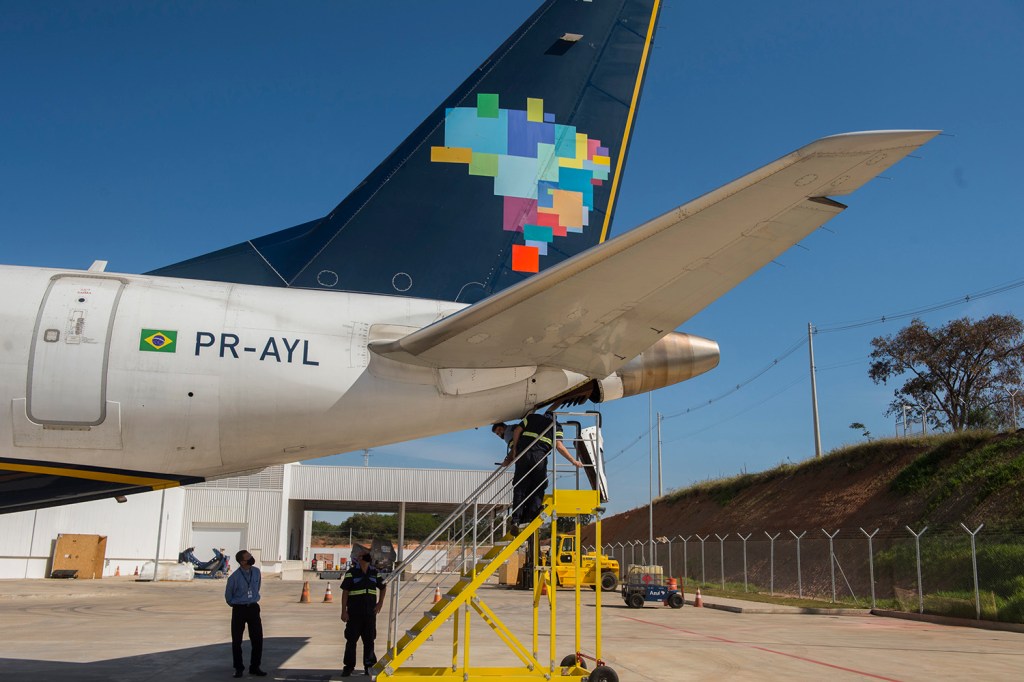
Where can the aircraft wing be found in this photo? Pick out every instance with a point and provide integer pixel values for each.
(594, 312)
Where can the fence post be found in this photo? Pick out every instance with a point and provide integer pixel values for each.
(917, 548)
(669, 541)
(771, 562)
(721, 549)
(974, 564)
(871, 564)
(832, 560)
(684, 553)
(702, 539)
(744, 558)
(799, 576)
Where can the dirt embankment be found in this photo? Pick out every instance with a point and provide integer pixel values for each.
(939, 480)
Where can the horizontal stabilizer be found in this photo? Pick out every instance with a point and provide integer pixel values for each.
(594, 312)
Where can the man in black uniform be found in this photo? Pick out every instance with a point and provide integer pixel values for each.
(362, 595)
(534, 438)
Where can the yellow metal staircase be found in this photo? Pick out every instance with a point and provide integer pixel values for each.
(463, 598)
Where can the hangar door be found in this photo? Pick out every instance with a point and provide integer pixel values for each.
(207, 536)
(67, 374)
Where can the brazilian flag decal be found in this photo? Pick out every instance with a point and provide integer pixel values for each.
(158, 340)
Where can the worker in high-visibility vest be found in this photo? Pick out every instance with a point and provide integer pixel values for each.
(362, 596)
(534, 437)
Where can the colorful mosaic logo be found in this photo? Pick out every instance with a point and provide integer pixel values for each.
(157, 341)
(546, 172)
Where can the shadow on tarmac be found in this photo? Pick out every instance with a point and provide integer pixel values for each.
(211, 662)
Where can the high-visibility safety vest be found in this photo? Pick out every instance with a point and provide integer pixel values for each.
(534, 426)
(358, 583)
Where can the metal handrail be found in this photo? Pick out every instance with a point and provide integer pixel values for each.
(468, 533)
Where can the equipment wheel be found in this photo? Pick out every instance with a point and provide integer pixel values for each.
(218, 574)
(675, 600)
(570, 660)
(603, 673)
(635, 601)
(609, 582)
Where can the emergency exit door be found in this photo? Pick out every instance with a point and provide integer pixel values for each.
(67, 373)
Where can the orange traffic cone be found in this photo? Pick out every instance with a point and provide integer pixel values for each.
(697, 601)
(437, 594)
(543, 587)
(672, 585)
(328, 597)
(136, 571)
(117, 572)
(304, 599)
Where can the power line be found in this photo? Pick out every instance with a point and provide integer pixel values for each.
(795, 382)
(797, 345)
(967, 298)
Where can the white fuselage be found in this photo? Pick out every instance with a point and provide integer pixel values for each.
(253, 376)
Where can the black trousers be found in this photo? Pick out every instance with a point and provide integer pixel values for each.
(241, 616)
(362, 624)
(529, 483)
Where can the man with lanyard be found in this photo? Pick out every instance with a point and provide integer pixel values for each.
(534, 438)
(362, 595)
(242, 594)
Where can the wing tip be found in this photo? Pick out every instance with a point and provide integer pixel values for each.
(871, 140)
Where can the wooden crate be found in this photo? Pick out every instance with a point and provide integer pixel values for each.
(82, 553)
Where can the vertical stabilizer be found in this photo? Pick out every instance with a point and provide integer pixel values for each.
(515, 171)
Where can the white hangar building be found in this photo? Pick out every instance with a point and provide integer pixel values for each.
(269, 512)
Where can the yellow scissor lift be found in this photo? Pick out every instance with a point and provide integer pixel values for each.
(458, 605)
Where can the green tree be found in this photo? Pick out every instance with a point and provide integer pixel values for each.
(958, 373)
(857, 426)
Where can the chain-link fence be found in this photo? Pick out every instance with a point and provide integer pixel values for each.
(964, 572)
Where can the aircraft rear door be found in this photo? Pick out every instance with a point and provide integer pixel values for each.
(67, 374)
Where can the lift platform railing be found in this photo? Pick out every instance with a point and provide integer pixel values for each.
(472, 527)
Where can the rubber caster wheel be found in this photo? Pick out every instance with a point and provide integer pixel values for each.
(603, 673)
(675, 600)
(570, 660)
(635, 601)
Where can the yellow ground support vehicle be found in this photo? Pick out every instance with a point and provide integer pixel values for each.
(565, 567)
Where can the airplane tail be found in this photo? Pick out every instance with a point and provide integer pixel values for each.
(515, 171)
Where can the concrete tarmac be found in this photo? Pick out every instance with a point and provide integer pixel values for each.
(119, 629)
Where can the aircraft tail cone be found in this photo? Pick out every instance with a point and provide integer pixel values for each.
(697, 600)
(328, 597)
(304, 599)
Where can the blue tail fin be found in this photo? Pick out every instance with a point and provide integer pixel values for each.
(516, 170)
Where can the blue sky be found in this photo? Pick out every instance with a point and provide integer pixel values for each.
(144, 134)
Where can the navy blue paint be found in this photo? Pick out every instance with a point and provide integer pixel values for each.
(413, 216)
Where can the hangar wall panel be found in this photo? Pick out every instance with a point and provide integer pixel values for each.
(27, 538)
(258, 511)
(447, 486)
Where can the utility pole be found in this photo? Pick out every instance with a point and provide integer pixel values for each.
(366, 457)
(814, 394)
(650, 480)
(661, 489)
